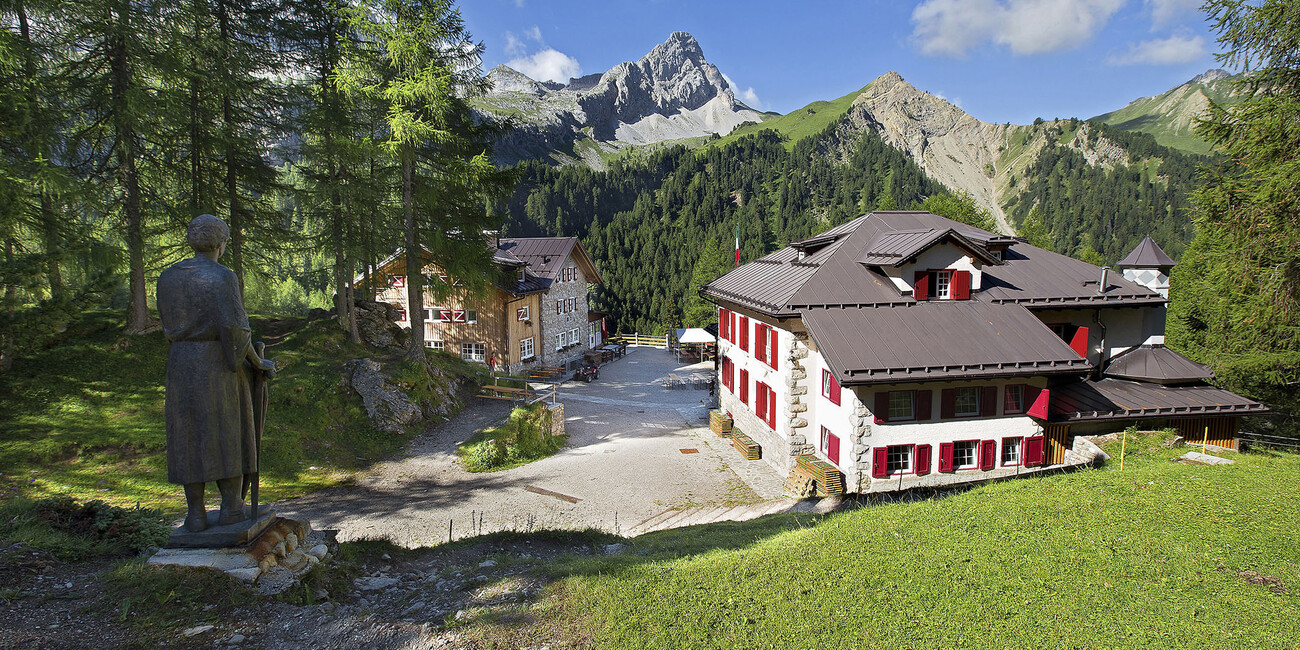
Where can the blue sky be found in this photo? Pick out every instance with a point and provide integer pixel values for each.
(1000, 60)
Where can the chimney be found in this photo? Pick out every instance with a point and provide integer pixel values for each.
(1105, 273)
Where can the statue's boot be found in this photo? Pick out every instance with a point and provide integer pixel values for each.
(232, 505)
(196, 514)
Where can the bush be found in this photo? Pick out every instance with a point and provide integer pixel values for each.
(75, 530)
(523, 438)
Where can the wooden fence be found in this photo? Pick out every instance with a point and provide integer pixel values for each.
(643, 340)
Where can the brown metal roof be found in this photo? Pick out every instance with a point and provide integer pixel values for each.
(937, 340)
(1156, 363)
(1035, 277)
(1119, 399)
(545, 255)
(1146, 255)
(897, 247)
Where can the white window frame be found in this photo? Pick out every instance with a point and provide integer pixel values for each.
(476, 352)
(960, 449)
(526, 351)
(574, 336)
(943, 285)
(435, 345)
(898, 459)
(968, 397)
(1018, 390)
(1011, 451)
(896, 401)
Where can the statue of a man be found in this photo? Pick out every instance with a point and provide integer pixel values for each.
(211, 433)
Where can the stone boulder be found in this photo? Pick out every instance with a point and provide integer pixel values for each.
(391, 409)
(377, 325)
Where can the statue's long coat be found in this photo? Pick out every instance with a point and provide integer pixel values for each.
(209, 402)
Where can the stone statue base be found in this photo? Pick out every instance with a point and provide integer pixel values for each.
(219, 536)
(274, 561)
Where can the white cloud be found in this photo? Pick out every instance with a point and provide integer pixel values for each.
(955, 101)
(748, 96)
(951, 27)
(514, 46)
(534, 33)
(1162, 51)
(547, 65)
(1165, 12)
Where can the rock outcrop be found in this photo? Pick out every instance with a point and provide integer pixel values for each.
(671, 93)
(389, 407)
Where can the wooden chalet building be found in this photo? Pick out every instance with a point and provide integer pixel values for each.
(539, 315)
(909, 350)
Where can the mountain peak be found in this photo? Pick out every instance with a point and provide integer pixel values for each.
(1210, 76)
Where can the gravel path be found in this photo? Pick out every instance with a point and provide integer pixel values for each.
(623, 463)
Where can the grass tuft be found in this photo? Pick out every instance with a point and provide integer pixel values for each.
(522, 439)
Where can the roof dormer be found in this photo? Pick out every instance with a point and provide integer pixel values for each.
(929, 264)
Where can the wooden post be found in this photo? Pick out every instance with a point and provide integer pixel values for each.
(1123, 446)
(1205, 442)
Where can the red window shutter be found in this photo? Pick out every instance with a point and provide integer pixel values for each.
(771, 408)
(771, 341)
(1079, 342)
(988, 454)
(1033, 451)
(948, 403)
(744, 387)
(760, 341)
(988, 400)
(731, 325)
(744, 333)
(1031, 394)
(879, 462)
(760, 403)
(835, 388)
(923, 398)
(945, 457)
(921, 285)
(960, 285)
(882, 407)
(923, 459)
(1041, 407)
(833, 448)
(722, 324)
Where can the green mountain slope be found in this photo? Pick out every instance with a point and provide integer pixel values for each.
(797, 124)
(1171, 116)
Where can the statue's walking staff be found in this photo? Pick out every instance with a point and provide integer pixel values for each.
(259, 385)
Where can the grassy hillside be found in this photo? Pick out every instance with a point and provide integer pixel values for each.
(85, 417)
(796, 125)
(1171, 116)
(1156, 555)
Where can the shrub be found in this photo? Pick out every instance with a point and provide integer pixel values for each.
(75, 530)
(523, 438)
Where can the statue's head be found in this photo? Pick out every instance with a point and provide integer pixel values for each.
(207, 233)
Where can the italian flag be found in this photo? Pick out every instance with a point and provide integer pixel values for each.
(737, 244)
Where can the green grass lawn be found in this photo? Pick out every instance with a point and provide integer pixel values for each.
(85, 417)
(798, 124)
(1148, 557)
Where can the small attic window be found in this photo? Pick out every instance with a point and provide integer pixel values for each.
(996, 253)
(519, 274)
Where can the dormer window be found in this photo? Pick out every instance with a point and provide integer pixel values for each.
(942, 284)
(519, 275)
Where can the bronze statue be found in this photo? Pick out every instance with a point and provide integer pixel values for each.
(212, 370)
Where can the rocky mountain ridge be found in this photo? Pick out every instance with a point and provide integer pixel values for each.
(955, 148)
(671, 93)
(1171, 116)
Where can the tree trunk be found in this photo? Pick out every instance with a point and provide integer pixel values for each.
(414, 261)
(138, 320)
(196, 116)
(50, 240)
(232, 173)
(6, 334)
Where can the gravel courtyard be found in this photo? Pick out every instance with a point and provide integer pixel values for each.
(623, 463)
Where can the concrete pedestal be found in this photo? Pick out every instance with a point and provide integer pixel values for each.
(218, 536)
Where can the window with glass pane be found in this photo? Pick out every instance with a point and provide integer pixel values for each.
(900, 405)
(473, 352)
(526, 349)
(964, 454)
(943, 284)
(968, 401)
(1014, 402)
(898, 459)
(435, 345)
(1011, 451)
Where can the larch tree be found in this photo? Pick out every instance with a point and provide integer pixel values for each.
(416, 58)
(1236, 291)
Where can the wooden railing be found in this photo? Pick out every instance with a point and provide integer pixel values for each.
(643, 340)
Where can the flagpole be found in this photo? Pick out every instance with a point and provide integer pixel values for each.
(737, 244)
